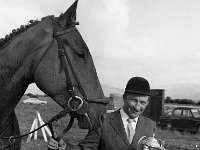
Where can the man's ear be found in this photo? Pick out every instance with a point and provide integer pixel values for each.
(148, 100)
(124, 96)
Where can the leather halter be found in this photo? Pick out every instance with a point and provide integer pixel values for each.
(62, 55)
(83, 103)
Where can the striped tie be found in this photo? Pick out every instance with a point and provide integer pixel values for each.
(130, 130)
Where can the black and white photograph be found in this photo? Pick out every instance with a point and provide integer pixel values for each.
(99, 74)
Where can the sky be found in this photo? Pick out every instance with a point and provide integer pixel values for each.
(158, 40)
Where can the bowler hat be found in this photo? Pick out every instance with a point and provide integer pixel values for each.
(138, 85)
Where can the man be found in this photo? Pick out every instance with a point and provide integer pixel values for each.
(122, 129)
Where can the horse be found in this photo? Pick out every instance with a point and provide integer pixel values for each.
(34, 53)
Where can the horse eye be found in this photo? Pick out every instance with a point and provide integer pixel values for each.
(80, 55)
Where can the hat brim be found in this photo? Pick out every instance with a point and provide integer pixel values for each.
(137, 92)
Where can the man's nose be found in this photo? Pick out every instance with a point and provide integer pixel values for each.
(137, 106)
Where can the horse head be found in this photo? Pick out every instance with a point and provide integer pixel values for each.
(51, 53)
(57, 76)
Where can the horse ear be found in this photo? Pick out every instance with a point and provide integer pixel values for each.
(68, 19)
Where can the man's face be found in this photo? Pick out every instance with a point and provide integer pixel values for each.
(134, 105)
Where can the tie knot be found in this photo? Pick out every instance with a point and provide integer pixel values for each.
(130, 120)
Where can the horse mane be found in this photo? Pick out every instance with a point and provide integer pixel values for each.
(17, 31)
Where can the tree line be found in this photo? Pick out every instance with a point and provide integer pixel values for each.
(181, 101)
(35, 95)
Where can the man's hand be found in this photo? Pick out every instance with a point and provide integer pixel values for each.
(53, 144)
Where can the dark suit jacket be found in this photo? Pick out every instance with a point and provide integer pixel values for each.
(112, 135)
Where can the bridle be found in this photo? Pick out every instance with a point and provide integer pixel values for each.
(81, 108)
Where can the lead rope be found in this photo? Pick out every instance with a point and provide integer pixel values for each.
(55, 118)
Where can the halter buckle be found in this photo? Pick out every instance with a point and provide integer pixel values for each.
(11, 140)
(70, 87)
(61, 52)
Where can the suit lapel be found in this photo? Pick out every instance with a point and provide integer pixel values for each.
(116, 122)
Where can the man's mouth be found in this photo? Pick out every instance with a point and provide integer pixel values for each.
(133, 111)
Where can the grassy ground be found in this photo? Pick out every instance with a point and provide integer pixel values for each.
(26, 114)
(180, 141)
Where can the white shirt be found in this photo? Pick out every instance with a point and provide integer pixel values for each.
(125, 122)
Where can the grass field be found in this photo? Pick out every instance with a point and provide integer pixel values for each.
(26, 114)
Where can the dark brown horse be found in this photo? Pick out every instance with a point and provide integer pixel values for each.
(32, 56)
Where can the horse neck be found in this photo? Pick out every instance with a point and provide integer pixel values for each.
(16, 63)
(13, 76)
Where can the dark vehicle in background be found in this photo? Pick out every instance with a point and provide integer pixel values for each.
(184, 118)
(155, 108)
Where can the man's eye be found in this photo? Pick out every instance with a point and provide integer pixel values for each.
(133, 100)
(143, 103)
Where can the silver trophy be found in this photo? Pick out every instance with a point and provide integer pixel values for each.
(150, 143)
